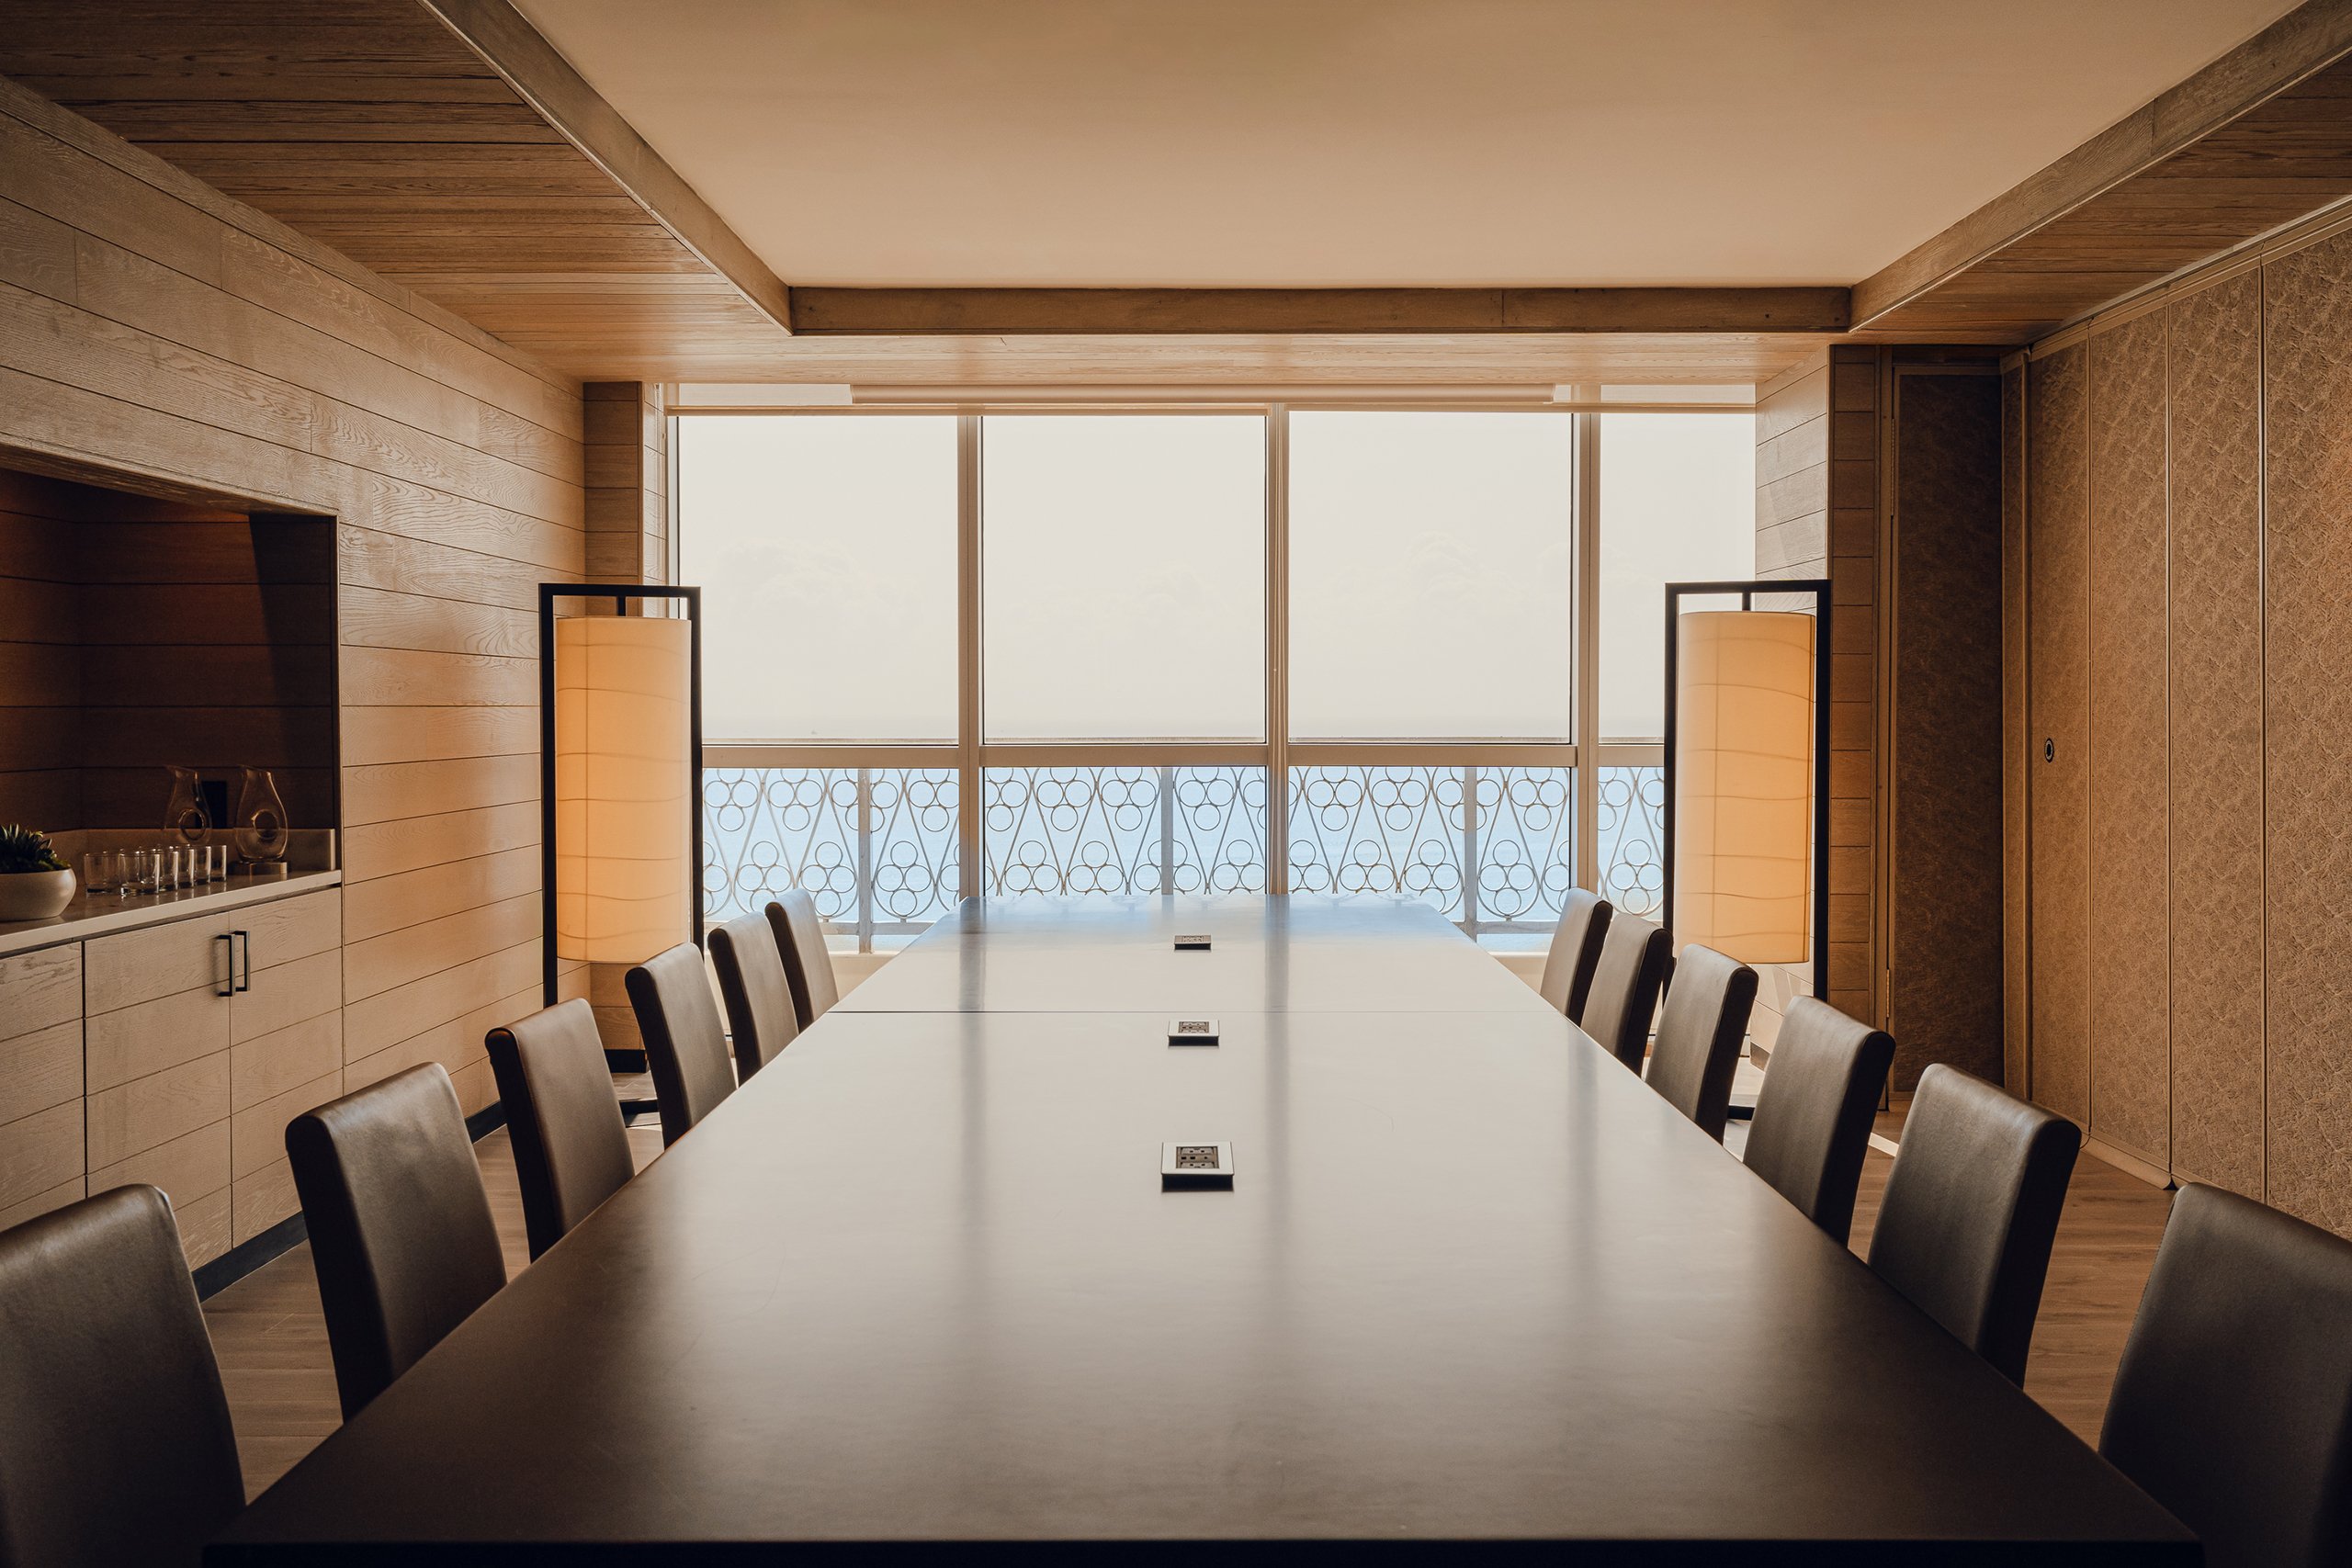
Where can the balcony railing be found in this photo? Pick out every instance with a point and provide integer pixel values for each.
(1492, 848)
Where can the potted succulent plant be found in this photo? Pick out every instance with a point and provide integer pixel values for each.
(34, 884)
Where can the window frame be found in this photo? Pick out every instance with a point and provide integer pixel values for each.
(971, 754)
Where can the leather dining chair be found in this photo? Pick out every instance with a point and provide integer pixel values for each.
(800, 937)
(1576, 953)
(1625, 983)
(1813, 1118)
(114, 1440)
(685, 1046)
(571, 1145)
(400, 1232)
(760, 1011)
(1700, 1034)
(1971, 1209)
(2232, 1406)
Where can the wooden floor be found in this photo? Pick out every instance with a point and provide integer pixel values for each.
(273, 1347)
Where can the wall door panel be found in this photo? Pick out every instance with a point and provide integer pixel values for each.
(2307, 372)
(2129, 1005)
(2215, 768)
(2058, 553)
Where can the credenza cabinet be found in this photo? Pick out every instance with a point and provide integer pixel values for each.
(174, 1053)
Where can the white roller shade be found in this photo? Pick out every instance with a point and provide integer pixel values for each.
(624, 779)
(1743, 784)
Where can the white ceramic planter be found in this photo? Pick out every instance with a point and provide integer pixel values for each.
(35, 895)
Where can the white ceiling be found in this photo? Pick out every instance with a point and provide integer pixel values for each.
(1321, 142)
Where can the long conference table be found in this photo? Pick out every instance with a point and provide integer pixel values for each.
(1473, 1287)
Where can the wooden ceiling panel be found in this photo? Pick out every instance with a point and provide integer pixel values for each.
(2278, 154)
(372, 127)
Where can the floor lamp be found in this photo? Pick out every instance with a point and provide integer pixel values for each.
(620, 776)
(1747, 813)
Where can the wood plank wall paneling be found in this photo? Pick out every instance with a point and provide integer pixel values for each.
(162, 335)
(2215, 742)
(1817, 516)
(40, 661)
(2127, 940)
(138, 632)
(2218, 444)
(2307, 405)
(2016, 760)
(627, 460)
(1791, 540)
(2057, 739)
(1855, 645)
(209, 641)
(1944, 917)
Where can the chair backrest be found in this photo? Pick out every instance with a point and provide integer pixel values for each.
(1814, 1114)
(760, 1010)
(1971, 1209)
(801, 937)
(2232, 1406)
(400, 1232)
(1700, 1034)
(685, 1046)
(1576, 953)
(571, 1145)
(1633, 968)
(115, 1442)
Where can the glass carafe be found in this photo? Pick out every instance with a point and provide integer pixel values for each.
(185, 818)
(261, 820)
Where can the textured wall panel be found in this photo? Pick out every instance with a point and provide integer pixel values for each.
(1944, 1001)
(2016, 762)
(2057, 548)
(2129, 984)
(2216, 741)
(2307, 373)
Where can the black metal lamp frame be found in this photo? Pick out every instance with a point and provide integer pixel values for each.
(1818, 587)
(620, 593)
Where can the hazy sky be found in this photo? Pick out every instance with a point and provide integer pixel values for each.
(1124, 559)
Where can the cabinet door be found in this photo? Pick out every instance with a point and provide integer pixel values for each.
(41, 1082)
(286, 1045)
(156, 1052)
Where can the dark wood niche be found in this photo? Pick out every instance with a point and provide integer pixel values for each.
(137, 632)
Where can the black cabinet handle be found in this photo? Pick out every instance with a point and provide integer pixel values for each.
(248, 938)
(228, 981)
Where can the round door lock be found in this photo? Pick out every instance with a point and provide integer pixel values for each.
(2049, 749)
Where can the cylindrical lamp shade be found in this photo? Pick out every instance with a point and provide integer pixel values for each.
(1743, 784)
(624, 787)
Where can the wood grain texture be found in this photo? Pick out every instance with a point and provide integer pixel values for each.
(2251, 142)
(1944, 991)
(932, 312)
(379, 131)
(2216, 745)
(2058, 549)
(2307, 375)
(2129, 933)
(1855, 641)
(451, 464)
(2017, 762)
(41, 664)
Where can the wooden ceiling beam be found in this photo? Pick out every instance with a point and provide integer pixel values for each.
(2306, 40)
(952, 313)
(545, 80)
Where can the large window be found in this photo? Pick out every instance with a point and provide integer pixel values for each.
(1677, 500)
(1432, 561)
(1124, 558)
(825, 547)
(1098, 653)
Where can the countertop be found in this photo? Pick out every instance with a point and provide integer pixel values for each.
(102, 914)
